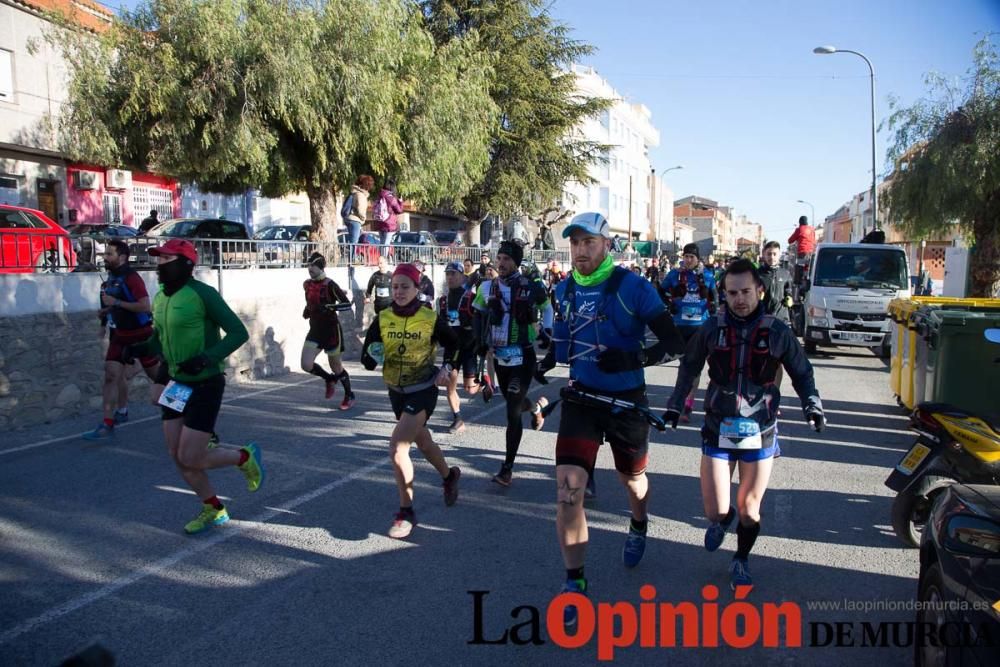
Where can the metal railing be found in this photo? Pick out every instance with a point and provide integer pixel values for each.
(27, 252)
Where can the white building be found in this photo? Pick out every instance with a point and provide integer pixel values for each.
(628, 128)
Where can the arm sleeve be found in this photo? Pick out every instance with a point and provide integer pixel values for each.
(444, 334)
(339, 294)
(136, 286)
(479, 303)
(373, 335)
(395, 204)
(544, 305)
(669, 342)
(798, 368)
(371, 286)
(794, 237)
(691, 365)
(220, 313)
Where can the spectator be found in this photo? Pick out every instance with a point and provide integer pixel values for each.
(356, 207)
(387, 207)
(149, 222)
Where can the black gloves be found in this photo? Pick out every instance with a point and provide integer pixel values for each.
(544, 366)
(194, 365)
(671, 417)
(815, 416)
(616, 360)
(305, 313)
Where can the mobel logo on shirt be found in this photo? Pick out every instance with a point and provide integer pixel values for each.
(404, 335)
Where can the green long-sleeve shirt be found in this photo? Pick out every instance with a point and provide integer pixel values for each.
(187, 323)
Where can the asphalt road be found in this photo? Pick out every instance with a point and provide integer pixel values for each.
(91, 547)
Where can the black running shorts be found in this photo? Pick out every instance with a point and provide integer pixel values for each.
(202, 408)
(413, 404)
(582, 429)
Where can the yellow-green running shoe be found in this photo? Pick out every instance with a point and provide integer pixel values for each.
(213, 440)
(253, 469)
(209, 517)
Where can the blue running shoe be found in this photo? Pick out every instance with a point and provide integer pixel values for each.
(102, 432)
(570, 614)
(635, 546)
(716, 532)
(739, 573)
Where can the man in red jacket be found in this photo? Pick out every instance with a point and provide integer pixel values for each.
(804, 239)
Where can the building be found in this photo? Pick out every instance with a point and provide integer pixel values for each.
(625, 188)
(749, 235)
(712, 223)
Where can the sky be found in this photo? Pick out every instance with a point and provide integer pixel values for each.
(757, 120)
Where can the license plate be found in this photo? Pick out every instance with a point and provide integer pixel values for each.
(913, 459)
(855, 337)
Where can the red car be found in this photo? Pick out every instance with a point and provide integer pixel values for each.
(32, 242)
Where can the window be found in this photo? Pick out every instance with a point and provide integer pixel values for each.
(10, 192)
(112, 208)
(232, 230)
(605, 194)
(605, 118)
(145, 199)
(6, 76)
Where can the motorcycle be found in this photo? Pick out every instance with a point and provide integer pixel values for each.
(952, 446)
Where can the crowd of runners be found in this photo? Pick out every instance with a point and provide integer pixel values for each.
(500, 326)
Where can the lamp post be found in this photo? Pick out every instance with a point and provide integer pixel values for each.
(826, 50)
(673, 224)
(803, 201)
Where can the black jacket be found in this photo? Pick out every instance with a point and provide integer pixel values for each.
(777, 286)
(743, 359)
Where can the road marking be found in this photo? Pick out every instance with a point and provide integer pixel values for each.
(171, 560)
(77, 436)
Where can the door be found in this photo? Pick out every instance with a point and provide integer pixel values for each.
(47, 202)
(956, 272)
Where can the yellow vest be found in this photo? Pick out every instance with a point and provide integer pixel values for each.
(409, 349)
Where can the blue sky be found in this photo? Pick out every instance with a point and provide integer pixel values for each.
(758, 120)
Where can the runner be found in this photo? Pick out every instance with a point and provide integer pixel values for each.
(325, 333)
(455, 307)
(187, 315)
(486, 374)
(425, 286)
(693, 299)
(125, 307)
(599, 330)
(379, 286)
(404, 338)
(509, 307)
(744, 348)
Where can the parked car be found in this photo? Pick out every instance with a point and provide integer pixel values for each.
(237, 252)
(89, 242)
(448, 237)
(289, 244)
(30, 241)
(426, 252)
(960, 567)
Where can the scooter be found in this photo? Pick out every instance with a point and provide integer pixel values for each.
(952, 446)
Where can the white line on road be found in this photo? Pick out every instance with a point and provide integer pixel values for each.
(171, 560)
(76, 436)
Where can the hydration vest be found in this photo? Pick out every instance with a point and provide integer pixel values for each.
(526, 297)
(568, 322)
(465, 310)
(124, 320)
(758, 366)
(319, 294)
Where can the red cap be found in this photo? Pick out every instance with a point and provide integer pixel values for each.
(178, 247)
(408, 270)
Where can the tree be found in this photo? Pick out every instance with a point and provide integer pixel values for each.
(535, 148)
(947, 156)
(284, 96)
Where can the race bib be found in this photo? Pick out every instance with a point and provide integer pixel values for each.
(691, 313)
(175, 396)
(512, 355)
(453, 320)
(739, 433)
(382, 292)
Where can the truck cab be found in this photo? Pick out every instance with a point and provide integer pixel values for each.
(847, 294)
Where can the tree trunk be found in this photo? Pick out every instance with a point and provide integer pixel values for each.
(984, 260)
(324, 216)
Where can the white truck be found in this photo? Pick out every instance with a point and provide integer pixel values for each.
(847, 294)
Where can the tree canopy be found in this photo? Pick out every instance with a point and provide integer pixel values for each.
(946, 149)
(283, 96)
(534, 149)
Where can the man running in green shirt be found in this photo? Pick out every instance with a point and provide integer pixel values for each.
(187, 316)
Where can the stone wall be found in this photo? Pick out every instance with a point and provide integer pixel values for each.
(51, 351)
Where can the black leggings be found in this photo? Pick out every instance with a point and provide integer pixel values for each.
(514, 382)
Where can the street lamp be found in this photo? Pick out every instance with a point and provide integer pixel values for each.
(803, 201)
(826, 50)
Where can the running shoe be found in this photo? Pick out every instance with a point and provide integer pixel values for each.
(402, 525)
(121, 417)
(503, 477)
(570, 613)
(635, 547)
(457, 425)
(451, 486)
(331, 389)
(213, 440)
(208, 517)
(537, 418)
(348, 402)
(253, 469)
(102, 432)
(739, 573)
(716, 532)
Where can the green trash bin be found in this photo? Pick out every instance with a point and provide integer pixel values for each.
(960, 367)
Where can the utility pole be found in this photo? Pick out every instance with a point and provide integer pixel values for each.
(629, 211)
